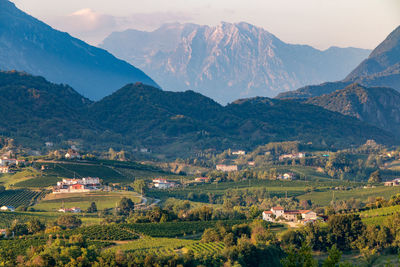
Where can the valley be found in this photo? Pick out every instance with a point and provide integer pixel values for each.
(189, 161)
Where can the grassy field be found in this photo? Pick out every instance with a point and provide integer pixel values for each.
(103, 200)
(275, 188)
(7, 218)
(324, 198)
(355, 259)
(9, 180)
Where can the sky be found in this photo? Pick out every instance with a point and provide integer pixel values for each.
(319, 23)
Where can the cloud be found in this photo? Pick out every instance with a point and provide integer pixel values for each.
(93, 27)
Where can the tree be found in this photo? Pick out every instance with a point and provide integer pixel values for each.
(92, 208)
(35, 225)
(299, 257)
(343, 230)
(19, 229)
(210, 235)
(138, 186)
(125, 206)
(375, 177)
(334, 256)
(69, 221)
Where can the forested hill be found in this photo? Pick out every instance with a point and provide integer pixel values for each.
(376, 105)
(188, 120)
(35, 110)
(27, 44)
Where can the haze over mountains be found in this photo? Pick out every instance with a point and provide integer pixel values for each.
(27, 44)
(229, 61)
(381, 68)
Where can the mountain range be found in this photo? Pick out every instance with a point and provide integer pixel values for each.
(27, 44)
(381, 69)
(229, 61)
(174, 123)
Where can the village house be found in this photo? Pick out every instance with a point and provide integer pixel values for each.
(395, 182)
(287, 176)
(4, 169)
(7, 208)
(48, 144)
(202, 179)
(278, 213)
(8, 162)
(239, 152)
(251, 163)
(292, 156)
(163, 184)
(86, 184)
(226, 168)
(72, 154)
(3, 232)
(72, 210)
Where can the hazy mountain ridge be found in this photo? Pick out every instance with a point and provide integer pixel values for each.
(380, 69)
(229, 61)
(27, 44)
(377, 106)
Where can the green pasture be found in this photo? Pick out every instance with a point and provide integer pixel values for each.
(325, 197)
(103, 200)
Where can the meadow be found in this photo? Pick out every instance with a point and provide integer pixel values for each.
(362, 194)
(7, 218)
(103, 200)
(276, 188)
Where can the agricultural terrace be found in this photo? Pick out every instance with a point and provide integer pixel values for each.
(20, 197)
(159, 246)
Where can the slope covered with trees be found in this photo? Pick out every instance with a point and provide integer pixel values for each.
(176, 122)
(378, 106)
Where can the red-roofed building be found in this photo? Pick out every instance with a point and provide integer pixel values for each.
(289, 215)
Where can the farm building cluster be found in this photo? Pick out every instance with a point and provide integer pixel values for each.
(163, 183)
(226, 168)
(71, 210)
(7, 164)
(277, 214)
(86, 184)
(395, 182)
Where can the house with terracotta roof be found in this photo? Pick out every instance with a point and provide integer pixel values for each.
(279, 213)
